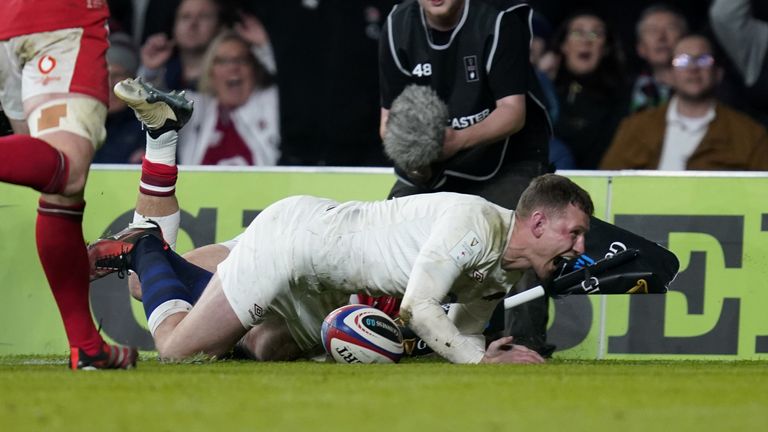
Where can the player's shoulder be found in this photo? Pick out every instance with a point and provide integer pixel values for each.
(460, 198)
(470, 206)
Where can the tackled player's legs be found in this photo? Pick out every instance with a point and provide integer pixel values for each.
(162, 114)
(185, 334)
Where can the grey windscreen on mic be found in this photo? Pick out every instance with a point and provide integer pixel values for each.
(415, 128)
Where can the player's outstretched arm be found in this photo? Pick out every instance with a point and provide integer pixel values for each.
(504, 351)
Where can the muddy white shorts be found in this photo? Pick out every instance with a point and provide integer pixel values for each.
(270, 271)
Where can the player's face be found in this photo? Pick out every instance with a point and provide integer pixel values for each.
(196, 24)
(442, 14)
(232, 74)
(584, 44)
(562, 236)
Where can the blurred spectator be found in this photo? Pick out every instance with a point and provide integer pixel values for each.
(177, 63)
(590, 86)
(125, 138)
(622, 16)
(745, 39)
(326, 54)
(236, 116)
(559, 154)
(693, 131)
(142, 18)
(658, 30)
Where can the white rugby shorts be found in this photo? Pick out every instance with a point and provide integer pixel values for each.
(270, 271)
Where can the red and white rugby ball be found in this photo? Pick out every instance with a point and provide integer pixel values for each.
(361, 334)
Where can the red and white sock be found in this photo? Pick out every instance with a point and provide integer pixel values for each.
(158, 178)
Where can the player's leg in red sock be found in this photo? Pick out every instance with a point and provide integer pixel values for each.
(62, 252)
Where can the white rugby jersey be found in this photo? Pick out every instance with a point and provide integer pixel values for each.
(303, 256)
(429, 249)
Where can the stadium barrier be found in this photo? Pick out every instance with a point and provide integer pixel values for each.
(716, 223)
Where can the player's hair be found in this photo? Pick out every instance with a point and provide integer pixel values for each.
(553, 193)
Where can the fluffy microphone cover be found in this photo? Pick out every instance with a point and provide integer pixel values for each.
(416, 128)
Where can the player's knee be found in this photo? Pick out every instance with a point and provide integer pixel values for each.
(75, 183)
(79, 115)
(169, 351)
(74, 125)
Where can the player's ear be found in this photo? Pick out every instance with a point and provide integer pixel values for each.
(538, 222)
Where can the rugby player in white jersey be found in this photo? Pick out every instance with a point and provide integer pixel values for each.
(304, 256)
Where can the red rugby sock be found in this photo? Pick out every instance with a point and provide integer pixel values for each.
(63, 254)
(158, 179)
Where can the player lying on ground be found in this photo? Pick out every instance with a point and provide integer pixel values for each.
(303, 256)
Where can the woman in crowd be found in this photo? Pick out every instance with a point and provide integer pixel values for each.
(591, 86)
(236, 116)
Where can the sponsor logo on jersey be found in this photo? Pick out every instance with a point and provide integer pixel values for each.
(256, 312)
(468, 247)
(46, 65)
(470, 69)
(467, 121)
(478, 275)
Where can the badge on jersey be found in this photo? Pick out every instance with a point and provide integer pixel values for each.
(478, 275)
(257, 313)
(470, 68)
(468, 247)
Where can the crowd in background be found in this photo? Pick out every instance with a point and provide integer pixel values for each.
(279, 82)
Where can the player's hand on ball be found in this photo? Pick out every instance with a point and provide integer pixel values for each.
(504, 351)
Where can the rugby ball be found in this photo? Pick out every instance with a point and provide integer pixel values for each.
(361, 334)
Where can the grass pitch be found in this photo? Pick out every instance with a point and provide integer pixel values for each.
(42, 395)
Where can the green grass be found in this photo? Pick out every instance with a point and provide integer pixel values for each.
(617, 396)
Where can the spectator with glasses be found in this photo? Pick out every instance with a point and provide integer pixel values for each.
(590, 86)
(236, 120)
(694, 131)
